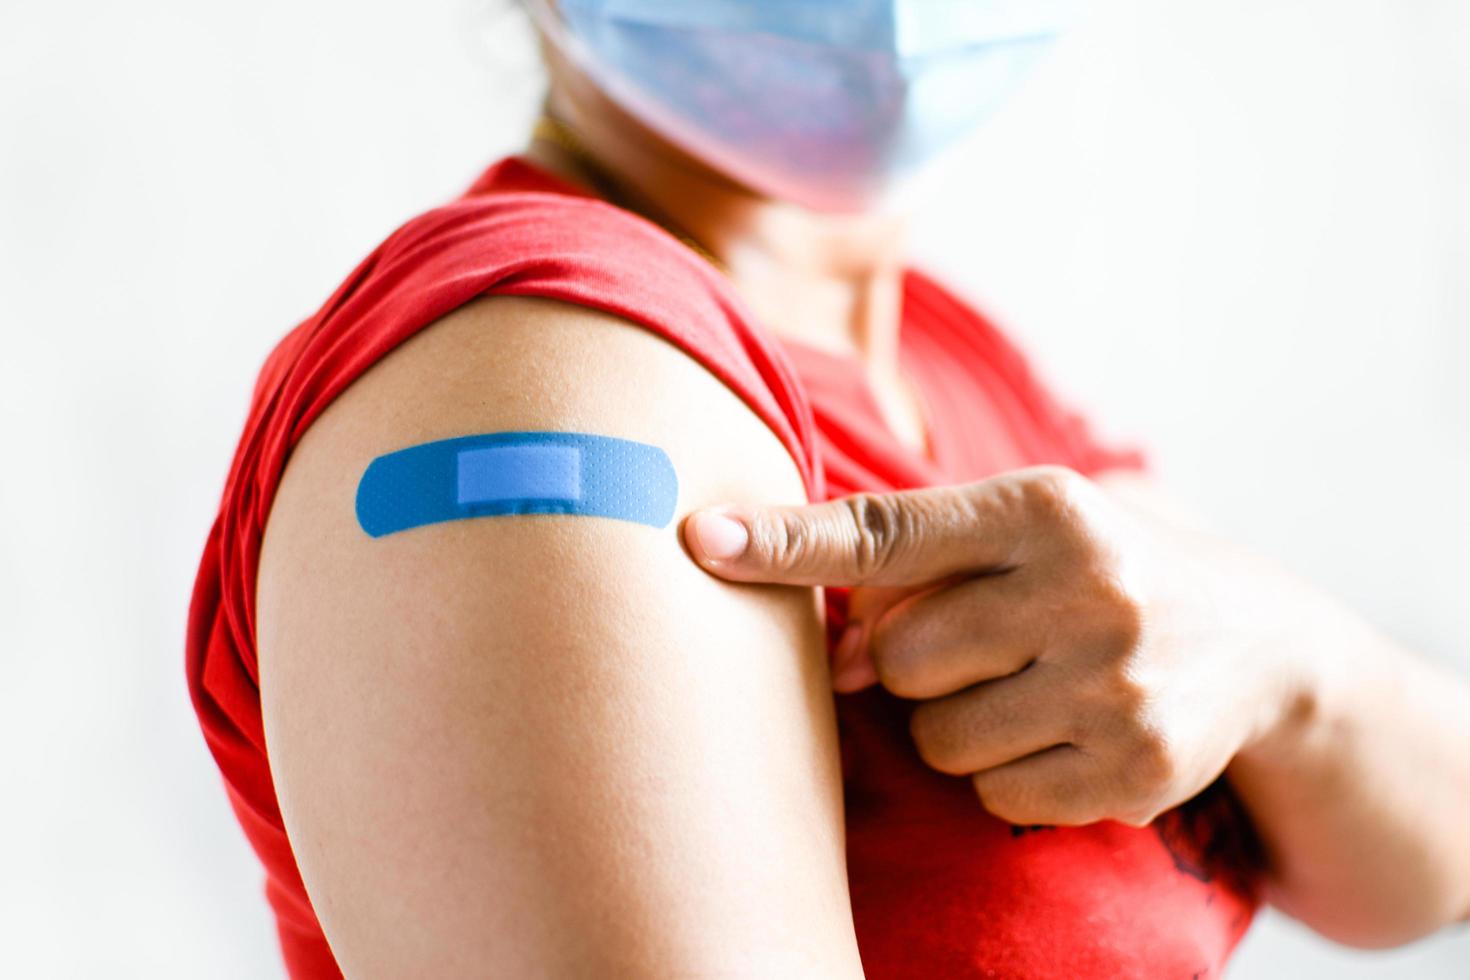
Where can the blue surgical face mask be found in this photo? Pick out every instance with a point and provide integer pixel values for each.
(820, 102)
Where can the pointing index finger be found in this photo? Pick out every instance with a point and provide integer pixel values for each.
(908, 537)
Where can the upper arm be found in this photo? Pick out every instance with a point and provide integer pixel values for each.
(549, 744)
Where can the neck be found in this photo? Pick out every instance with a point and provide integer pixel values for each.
(824, 280)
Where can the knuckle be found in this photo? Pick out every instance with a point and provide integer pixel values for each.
(1013, 800)
(1118, 609)
(788, 542)
(1129, 698)
(997, 797)
(1111, 698)
(1139, 816)
(879, 523)
(1122, 691)
(1021, 797)
(933, 732)
(898, 662)
(1052, 492)
(1147, 762)
(900, 679)
(1056, 504)
(1151, 764)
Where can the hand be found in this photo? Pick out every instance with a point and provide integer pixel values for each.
(1078, 660)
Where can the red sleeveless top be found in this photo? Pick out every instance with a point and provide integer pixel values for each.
(940, 888)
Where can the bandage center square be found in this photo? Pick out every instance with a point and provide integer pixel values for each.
(501, 473)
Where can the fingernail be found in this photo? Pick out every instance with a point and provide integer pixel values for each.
(720, 537)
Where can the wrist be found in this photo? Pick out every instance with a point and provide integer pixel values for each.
(1318, 664)
(1298, 651)
(1293, 716)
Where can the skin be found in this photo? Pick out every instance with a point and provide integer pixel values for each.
(549, 745)
(1079, 657)
(487, 735)
(1132, 656)
(832, 281)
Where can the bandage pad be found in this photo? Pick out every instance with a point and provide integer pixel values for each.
(503, 473)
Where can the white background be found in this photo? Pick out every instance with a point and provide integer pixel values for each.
(1238, 231)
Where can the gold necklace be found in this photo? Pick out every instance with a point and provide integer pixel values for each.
(556, 132)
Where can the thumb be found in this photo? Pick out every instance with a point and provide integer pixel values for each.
(904, 538)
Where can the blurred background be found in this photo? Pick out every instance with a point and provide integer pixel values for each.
(1237, 232)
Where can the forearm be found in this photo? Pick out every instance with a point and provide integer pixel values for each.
(1361, 792)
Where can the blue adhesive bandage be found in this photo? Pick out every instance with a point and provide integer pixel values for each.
(517, 473)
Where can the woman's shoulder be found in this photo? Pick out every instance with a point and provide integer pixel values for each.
(501, 292)
(422, 685)
(519, 231)
(514, 309)
(522, 311)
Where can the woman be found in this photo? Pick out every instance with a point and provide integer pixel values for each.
(548, 745)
